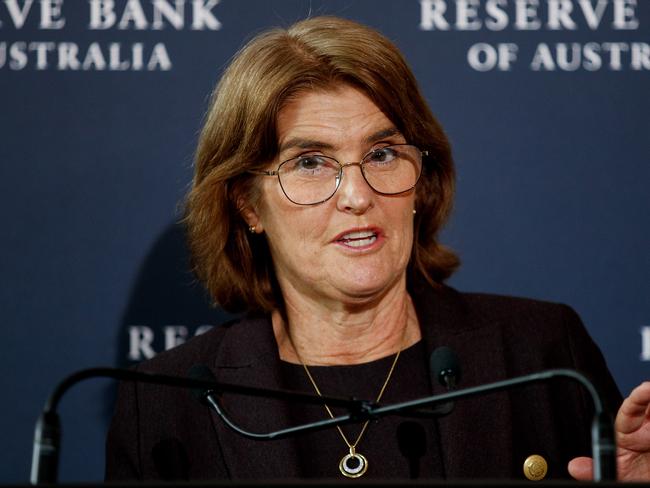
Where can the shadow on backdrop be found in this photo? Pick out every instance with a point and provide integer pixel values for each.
(167, 306)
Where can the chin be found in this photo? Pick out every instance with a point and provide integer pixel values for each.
(366, 291)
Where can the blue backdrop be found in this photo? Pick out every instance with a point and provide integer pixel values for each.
(546, 103)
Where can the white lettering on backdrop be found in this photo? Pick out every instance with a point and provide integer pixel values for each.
(103, 15)
(548, 16)
(143, 343)
(645, 343)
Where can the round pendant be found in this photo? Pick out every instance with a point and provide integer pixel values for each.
(353, 465)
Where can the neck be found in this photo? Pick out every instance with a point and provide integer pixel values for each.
(313, 334)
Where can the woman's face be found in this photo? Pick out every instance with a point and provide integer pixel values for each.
(355, 246)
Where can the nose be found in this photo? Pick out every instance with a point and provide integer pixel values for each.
(354, 195)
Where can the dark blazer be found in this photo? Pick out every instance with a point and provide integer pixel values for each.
(165, 433)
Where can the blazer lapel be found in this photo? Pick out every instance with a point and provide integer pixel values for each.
(248, 356)
(475, 438)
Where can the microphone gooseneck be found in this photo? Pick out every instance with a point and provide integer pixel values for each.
(47, 433)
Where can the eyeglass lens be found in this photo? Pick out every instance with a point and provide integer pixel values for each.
(311, 179)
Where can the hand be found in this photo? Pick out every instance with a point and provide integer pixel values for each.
(632, 428)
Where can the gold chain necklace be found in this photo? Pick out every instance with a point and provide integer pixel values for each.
(354, 471)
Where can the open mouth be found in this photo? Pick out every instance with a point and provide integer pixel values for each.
(358, 239)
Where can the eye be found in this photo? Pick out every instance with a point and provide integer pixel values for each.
(311, 165)
(384, 155)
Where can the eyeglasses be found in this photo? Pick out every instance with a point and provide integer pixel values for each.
(314, 178)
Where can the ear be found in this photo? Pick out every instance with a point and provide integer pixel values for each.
(250, 216)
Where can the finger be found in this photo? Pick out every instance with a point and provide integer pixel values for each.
(581, 468)
(634, 410)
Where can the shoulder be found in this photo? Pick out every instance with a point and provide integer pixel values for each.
(528, 323)
(522, 312)
(202, 349)
(538, 334)
(530, 334)
(462, 312)
(528, 320)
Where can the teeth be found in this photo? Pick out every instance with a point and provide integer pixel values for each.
(359, 235)
(361, 242)
(359, 238)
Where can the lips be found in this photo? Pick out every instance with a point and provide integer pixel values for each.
(358, 238)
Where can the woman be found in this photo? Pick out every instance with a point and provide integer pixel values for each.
(322, 180)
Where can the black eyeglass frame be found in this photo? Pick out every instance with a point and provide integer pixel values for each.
(339, 177)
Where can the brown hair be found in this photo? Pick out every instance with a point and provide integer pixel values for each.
(240, 134)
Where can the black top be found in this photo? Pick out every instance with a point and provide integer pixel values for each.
(163, 433)
(395, 446)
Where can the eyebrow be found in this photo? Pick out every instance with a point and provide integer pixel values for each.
(381, 134)
(302, 143)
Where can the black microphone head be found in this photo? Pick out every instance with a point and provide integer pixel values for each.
(445, 366)
(201, 372)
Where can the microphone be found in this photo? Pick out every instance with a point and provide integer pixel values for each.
(445, 366)
(45, 455)
(202, 372)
